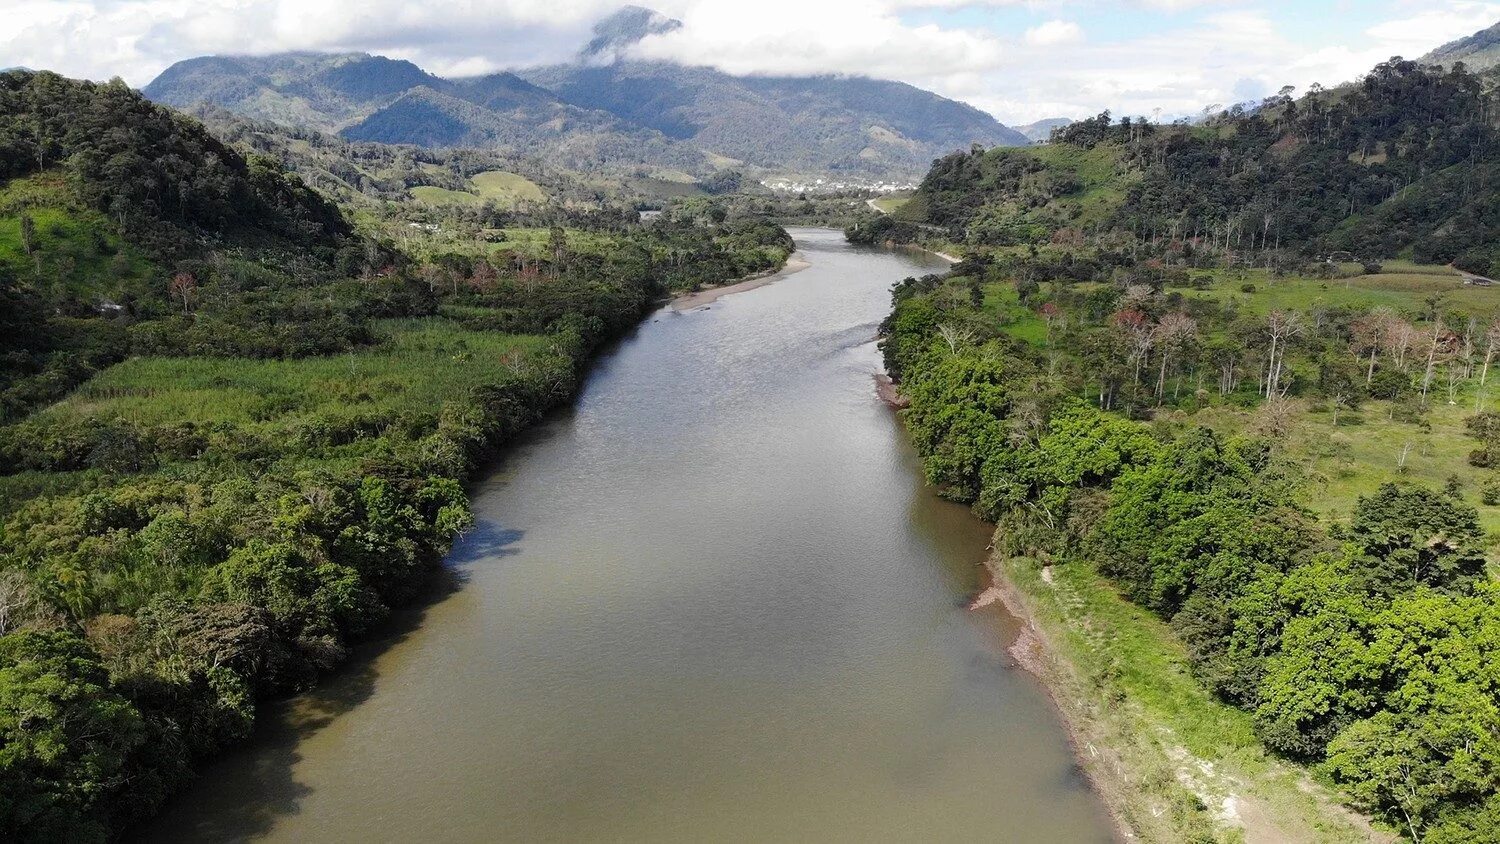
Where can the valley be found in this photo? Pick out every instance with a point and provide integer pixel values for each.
(403, 438)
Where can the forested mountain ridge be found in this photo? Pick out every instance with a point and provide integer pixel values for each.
(276, 414)
(1403, 162)
(814, 124)
(599, 110)
(843, 124)
(373, 98)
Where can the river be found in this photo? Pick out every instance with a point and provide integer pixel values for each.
(712, 602)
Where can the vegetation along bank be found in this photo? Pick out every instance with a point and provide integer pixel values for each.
(1227, 400)
(236, 427)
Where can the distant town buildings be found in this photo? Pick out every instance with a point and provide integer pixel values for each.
(792, 185)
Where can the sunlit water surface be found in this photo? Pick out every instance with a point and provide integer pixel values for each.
(713, 602)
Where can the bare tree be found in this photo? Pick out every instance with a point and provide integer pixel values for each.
(1276, 417)
(1282, 326)
(1491, 347)
(1401, 336)
(1371, 334)
(1441, 347)
(955, 337)
(1174, 331)
(1140, 333)
(184, 286)
(16, 600)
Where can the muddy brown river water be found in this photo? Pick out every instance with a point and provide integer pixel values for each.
(712, 602)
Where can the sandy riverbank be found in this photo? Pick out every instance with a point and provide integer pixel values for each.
(1133, 712)
(795, 263)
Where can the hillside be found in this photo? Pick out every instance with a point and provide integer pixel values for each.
(1478, 52)
(600, 111)
(1227, 401)
(373, 98)
(815, 124)
(103, 197)
(1397, 165)
(234, 431)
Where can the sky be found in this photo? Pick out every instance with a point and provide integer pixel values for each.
(1020, 60)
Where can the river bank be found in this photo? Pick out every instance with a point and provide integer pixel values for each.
(607, 669)
(1169, 761)
(794, 263)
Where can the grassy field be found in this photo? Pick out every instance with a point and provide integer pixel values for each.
(73, 247)
(1406, 288)
(443, 196)
(498, 186)
(417, 363)
(891, 202)
(1371, 446)
(507, 188)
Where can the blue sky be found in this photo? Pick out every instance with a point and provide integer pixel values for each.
(1018, 59)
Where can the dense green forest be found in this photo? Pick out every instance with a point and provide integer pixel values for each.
(1364, 642)
(1400, 164)
(237, 427)
(1153, 363)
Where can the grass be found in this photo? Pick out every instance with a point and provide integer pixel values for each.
(1406, 291)
(75, 250)
(1165, 753)
(497, 186)
(506, 188)
(536, 243)
(443, 196)
(417, 363)
(1341, 463)
(1019, 321)
(891, 202)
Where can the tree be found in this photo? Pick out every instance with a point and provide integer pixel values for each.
(184, 287)
(1416, 536)
(1174, 331)
(1281, 327)
(65, 738)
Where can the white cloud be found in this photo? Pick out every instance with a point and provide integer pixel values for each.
(1200, 51)
(842, 36)
(1054, 32)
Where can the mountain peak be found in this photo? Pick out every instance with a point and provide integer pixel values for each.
(615, 33)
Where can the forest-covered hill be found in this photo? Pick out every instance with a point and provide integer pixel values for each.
(1222, 372)
(1403, 163)
(235, 429)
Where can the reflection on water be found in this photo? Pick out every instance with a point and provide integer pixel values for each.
(713, 602)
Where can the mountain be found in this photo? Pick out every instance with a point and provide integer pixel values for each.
(1478, 52)
(1041, 130)
(601, 109)
(846, 124)
(374, 98)
(623, 29)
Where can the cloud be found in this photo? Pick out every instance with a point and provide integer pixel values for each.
(1054, 32)
(1191, 53)
(829, 36)
(136, 39)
